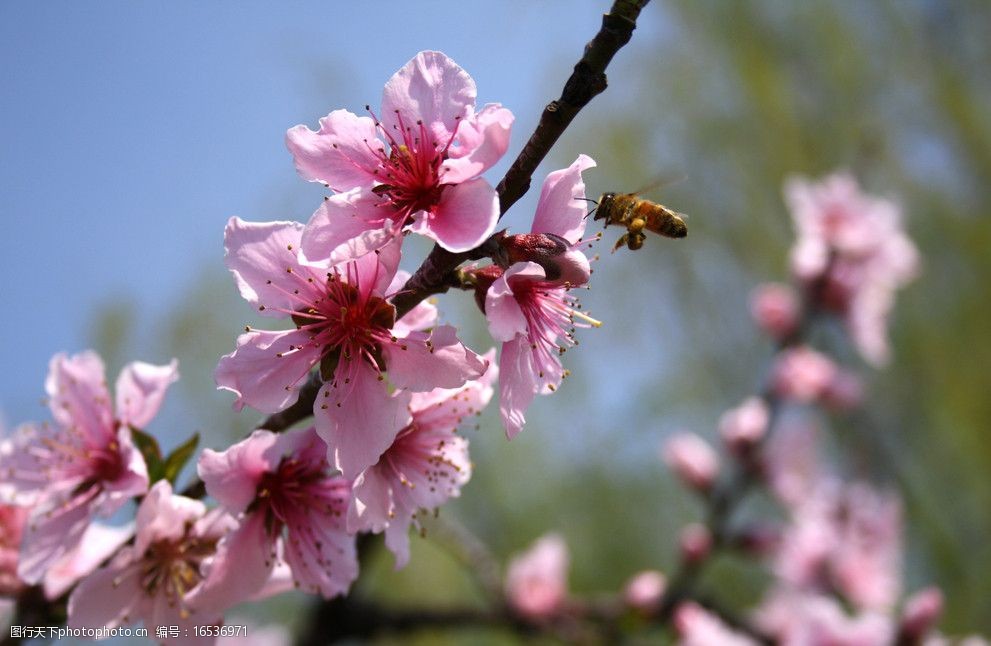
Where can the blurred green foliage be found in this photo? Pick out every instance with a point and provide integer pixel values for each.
(737, 96)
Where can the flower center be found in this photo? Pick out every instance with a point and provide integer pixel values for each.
(343, 319)
(410, 172)
(172, 568)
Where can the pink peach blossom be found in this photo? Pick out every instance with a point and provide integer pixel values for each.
(289, 508)
(426, 465)
(344, 325)
(86, 464)
(776, 309)
(529, 312)
(537, 580)
(416, 166)
(692, 459)
(155, 579)
(852, 251)
(645, 590)
(696, 626)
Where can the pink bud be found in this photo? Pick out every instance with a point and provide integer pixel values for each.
(695, 542)
(775, 308)
(537, 580)
(692, 459)
(803, 374)
(744, 426)
(921, 612)
(644, 591)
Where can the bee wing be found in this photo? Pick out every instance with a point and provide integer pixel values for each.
(666, 179)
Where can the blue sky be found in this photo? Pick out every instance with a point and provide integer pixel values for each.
(133, 130)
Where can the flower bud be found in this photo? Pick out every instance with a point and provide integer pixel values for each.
(775, 308)
(536, 580)
(695, 542)
(563, 265)
(744, 426)
(692, 460)
(803, 374)
(644, 591)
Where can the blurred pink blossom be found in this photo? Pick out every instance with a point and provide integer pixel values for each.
(86, 464)
(744, 427)
(155, 580)
(792, 462)
(698, 627)
(797, 618)
(415, 165)
(803, 374)
(852, 250)
(775, 308)
(344, 325)
(645, 590)
(692, 459)
(537, 580)
(426, 465)
(847, 538)
(289, 508)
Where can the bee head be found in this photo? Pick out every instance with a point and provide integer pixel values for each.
(605, 205)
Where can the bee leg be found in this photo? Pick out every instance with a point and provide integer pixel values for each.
(635, 241)
(636, 225)
(623, 239)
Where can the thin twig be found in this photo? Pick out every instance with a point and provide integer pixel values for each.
(726, 498)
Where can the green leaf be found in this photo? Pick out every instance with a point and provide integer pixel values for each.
(151, 452)
(179, 457)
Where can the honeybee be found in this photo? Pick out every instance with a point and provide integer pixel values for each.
(638, 215)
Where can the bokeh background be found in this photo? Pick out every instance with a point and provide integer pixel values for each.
(132, 130)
